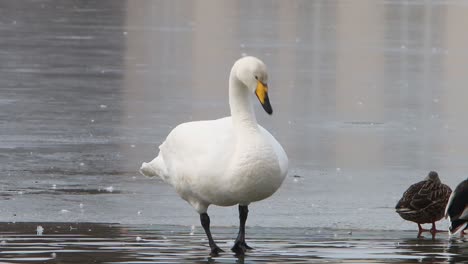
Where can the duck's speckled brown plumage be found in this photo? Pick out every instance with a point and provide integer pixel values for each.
(425, 201)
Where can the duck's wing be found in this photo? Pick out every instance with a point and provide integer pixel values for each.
(405, 203)
(423, 194)
(457, 206)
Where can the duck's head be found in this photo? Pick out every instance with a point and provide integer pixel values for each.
(432, 176)
(253, 74)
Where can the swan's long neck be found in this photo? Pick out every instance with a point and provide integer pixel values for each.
(242, 111)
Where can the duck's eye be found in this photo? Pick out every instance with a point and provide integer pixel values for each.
(256, 77)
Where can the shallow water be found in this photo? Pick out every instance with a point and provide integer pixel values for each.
(368, 96)
(114, 243)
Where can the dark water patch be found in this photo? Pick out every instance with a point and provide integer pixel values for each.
(114, 243)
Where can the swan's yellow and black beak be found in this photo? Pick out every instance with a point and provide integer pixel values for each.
(262, 95)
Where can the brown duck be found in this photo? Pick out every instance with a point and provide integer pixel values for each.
(424, 202)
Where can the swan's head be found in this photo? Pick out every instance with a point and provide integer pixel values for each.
(253, 74)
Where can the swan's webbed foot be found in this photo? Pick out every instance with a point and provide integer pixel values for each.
(215, 251)
(240, 247)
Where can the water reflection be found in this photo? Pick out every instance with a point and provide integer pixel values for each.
(113, 243)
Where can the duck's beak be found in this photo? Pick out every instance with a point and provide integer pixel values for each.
(262, 95)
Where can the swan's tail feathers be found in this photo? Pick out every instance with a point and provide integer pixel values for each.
(154, 168)
(148, 170)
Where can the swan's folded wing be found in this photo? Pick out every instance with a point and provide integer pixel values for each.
(194, 148)
(280, 153)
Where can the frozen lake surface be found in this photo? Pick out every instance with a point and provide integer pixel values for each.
(368, 97)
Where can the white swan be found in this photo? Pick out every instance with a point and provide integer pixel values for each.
(227, 161)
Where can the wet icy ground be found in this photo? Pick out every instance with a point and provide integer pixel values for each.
(368, 97)
(113, 243)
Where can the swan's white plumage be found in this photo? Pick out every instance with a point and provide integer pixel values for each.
(227, 161)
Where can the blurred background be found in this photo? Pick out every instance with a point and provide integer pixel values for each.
(368, 97)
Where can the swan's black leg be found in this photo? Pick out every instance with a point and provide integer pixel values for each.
(205, 222)
(240, 247)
